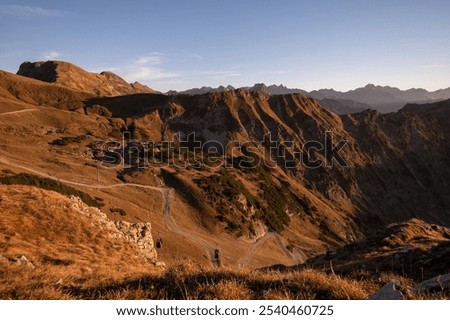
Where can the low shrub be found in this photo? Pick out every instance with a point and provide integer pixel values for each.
(26, 179)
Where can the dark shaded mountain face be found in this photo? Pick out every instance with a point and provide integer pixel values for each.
(73, 77)
(394, 166)
(343, 106)
(396, 163)
(383, 99)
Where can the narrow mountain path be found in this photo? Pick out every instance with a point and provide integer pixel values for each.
(17, 112)
(298, 256)
(164, 191)
(174, 228)
(243, 261)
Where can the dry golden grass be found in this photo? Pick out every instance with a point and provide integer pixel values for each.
(189, 281)
(62, 243)
(74, 259)
(186, 281)
(38, 93)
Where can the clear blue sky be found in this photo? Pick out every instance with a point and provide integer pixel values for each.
(183, 44)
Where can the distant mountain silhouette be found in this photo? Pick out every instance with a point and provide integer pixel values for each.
(381, 98)
(384, 99)
(202, 90)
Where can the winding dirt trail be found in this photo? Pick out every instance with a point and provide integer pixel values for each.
(164, 191)
(298, 256)
(243, 261)
(16, 112)
(174, 228)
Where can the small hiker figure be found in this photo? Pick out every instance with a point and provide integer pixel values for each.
(217, 256)
(159, 242)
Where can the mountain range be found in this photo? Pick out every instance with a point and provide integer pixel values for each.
(381, 98)
(248, 178)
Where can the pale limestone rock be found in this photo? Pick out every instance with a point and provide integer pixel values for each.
(138, 234)
(23, 262)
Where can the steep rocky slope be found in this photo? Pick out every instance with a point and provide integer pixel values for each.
(395, 164)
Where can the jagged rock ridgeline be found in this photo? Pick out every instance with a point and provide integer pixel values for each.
(71, 76)
(380, 98)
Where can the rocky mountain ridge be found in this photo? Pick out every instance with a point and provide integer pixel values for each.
(73, 77)
(381, 98)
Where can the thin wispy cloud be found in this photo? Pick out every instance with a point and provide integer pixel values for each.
(51, 55)
(263, 73)
(155, 58)
(147, 68)
(156, 69)
(218, 74)
(28, 11)
(436, 66)
(144, 74)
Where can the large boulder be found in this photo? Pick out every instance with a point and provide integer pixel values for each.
(441, 282)
(390, 291)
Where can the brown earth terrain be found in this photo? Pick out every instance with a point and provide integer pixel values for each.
(82, 134)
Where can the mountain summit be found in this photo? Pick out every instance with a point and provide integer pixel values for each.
(71, 76)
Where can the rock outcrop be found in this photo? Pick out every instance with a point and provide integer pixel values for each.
(138, 234)
(19, 261)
